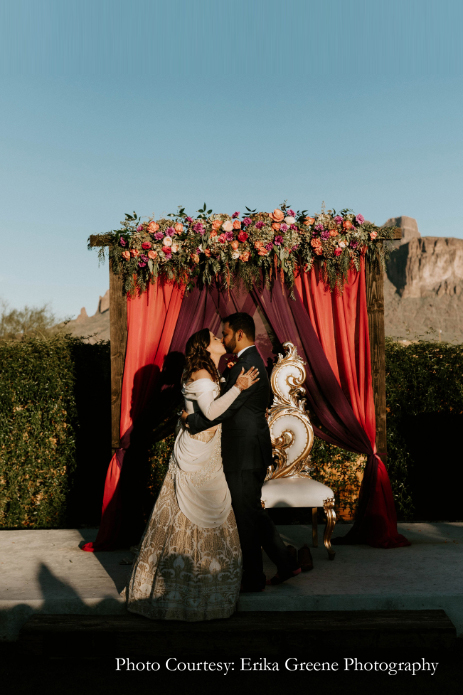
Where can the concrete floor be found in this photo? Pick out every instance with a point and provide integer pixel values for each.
(45, 571)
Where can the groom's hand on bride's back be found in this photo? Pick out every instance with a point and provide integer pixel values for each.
(183, 418)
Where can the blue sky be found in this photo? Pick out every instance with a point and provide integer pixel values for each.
(109, 107)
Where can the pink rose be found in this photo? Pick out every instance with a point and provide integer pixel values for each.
(174, 248)
(227, 226)
(167, 241)
(223, 238)
(290, 220)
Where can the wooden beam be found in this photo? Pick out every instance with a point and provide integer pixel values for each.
(118, 338)
(375, 307)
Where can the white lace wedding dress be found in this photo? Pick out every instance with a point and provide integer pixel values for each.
(189, 564)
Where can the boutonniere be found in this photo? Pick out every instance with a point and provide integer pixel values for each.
(230, 365)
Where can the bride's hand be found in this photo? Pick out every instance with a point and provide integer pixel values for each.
(244, 381)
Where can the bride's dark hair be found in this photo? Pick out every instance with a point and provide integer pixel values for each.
(197, 356)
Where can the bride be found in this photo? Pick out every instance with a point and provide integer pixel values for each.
(189, 563)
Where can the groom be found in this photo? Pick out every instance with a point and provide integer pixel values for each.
(246, 455)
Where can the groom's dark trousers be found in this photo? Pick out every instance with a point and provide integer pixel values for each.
(246, 455)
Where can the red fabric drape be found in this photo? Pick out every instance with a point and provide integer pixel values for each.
(329, 329)
(340, 321)
(151, 321)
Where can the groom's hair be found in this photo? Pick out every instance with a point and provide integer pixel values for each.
(242, 322)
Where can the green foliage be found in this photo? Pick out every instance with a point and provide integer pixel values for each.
(424, 384)
(341, 470)
(30, 321)
(42, 442)
(37, 431)
(55, 433)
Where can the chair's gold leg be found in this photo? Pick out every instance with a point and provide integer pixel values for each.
(315, 527)
(328, 506)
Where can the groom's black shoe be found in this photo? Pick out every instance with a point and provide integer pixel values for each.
(281, 577)
(251, 589)
(284, 575)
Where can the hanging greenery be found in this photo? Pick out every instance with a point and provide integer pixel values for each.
(246, 247)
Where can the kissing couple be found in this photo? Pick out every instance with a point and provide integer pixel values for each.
(202, 544)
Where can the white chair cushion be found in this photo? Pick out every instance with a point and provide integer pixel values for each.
(295, 492)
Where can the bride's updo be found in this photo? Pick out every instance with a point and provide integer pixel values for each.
(197, 356)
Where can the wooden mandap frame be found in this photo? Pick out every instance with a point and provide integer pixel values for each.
(375, 308)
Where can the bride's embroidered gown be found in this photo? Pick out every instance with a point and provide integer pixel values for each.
(189, 564)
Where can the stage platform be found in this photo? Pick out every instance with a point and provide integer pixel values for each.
(45, 572)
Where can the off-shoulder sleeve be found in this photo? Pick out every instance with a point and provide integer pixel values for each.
(214, 408)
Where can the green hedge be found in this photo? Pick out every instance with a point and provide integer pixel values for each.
(424, 395)
(54, 431)
(55, 436)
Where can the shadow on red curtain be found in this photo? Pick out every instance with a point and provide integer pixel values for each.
(330, 331)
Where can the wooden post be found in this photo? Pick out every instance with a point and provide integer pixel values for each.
(118, 338)
(375, 307)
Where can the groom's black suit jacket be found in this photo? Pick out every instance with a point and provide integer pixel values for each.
(246, 440)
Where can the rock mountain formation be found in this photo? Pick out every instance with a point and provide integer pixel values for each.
(423, 290)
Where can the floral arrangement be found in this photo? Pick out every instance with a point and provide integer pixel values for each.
(254, 246)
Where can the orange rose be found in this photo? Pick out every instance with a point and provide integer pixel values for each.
(179, 227)
(195, 257)
(207, 253)
(316, 243)
(234, 245)
(262, 252)
(236, 224)
(276, 226)
(134, 253)
(319, 251)
(258, 244)
(152, 255)
(334, 232)
(245, 256)
(216, 224)
(309, 221)
(214, 233)
(277, 215)
(153, 227)
(373, 235)
(347, 224)
(126, 255)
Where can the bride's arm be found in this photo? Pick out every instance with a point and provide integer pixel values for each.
(213, 408)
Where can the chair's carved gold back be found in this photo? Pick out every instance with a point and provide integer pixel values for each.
(290, 428)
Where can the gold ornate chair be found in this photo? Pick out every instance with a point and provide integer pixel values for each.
(288, 482)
